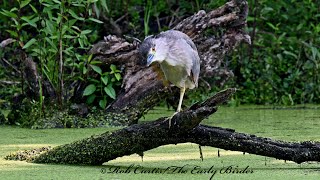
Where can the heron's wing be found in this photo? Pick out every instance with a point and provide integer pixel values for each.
(195, 69)
(195, 59)
(174, 34)
(188, 56)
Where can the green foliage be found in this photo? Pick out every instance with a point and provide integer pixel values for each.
(24, 114)
(51, 33)
(141, 18)
(101, 85)
(282, 65)
(147, 17)
(57, 35)
(9, 87)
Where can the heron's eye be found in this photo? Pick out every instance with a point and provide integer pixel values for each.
(153, 49)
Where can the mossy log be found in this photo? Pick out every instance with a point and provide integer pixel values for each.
(185, 127)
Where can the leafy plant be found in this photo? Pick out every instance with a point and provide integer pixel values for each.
(282, 64)
(147, 13)
(55, 33)
(101, 87)
(57, 38)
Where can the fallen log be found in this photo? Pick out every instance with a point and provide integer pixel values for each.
(185, 127)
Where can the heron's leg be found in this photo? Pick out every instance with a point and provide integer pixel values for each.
(182, 91)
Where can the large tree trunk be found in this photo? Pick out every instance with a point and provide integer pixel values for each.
(142, 89)
(185, 127)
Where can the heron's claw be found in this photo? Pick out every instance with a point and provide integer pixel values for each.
(171, 118)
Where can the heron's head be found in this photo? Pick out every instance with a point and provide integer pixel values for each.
(153, 49)
(151, 55)
(158, 51)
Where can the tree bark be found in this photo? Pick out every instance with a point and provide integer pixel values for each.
(185, 127)
(142, 89)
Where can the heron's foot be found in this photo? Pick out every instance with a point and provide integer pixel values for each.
(171, 118)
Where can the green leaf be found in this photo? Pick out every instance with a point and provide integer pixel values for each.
(24, 3)
(14, 9)
(90, 12)
(90, 89)
(65, 27)
(86, 32)
(77, 4)
(93, 62)
(53, 50)
(93, 1)
(118, 76)
(96, 10)
(113, 68)
(9, 14)
(105, 80)
(58, 21)
(29, 21)
(104, 5)
(33, 8)
(91, 98)
(76, 28)
(95, 81)
(51, 43)
(74, 15)
(96, 20)
(56, 1)
(49, 27)
(96, 68)
(103, 103)
(29, 43)
(308, 65)
(69, 36)
(290, 54)
(84, 70)
(49, 13)
(315, 53)
(80, 42)
(90, 58)
(272, 26)
(71, 22)
(110, 91)
(13, 33)
(18, 25)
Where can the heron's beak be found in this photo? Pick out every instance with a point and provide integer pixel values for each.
(149, 59)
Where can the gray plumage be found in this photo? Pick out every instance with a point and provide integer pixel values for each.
(177, 55)
(178, 58)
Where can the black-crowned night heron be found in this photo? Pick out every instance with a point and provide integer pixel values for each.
(178, 58)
